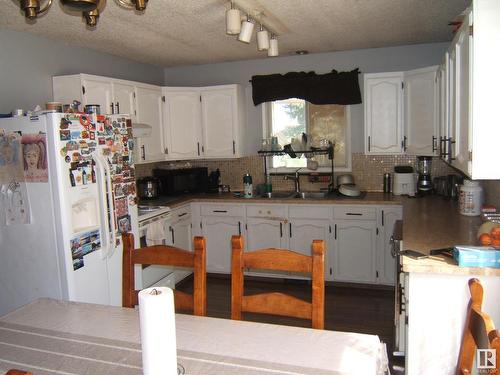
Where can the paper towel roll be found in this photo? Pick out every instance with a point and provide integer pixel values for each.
(157, 317)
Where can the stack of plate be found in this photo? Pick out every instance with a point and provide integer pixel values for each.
(346, 185)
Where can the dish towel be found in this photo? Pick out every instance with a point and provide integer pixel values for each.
(155, 234)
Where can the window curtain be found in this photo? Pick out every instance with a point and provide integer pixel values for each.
(330, 88)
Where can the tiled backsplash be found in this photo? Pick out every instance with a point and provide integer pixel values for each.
(367, 171)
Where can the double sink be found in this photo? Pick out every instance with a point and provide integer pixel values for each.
(294, 195)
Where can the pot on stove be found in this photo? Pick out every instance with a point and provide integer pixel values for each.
(148, 188)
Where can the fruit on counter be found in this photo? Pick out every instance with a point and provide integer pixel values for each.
(495, 242)
(485, 239)
(486, 227)
(495, 233)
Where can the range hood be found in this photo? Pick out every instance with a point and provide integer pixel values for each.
(141, 130)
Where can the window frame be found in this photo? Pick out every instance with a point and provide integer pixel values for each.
(266, 131)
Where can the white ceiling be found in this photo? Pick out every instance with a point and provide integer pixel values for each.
(186, 32)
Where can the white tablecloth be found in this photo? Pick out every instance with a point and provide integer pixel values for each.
(50, 336)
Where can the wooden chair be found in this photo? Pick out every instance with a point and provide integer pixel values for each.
(279, 303)
(479, 332)
(167, 256)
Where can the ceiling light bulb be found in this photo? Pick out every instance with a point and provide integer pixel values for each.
(273, 47)
(233, 21)
(262, 39)
(91, 17)
(31, 8)
(246, 31)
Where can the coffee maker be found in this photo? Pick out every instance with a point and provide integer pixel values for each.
(424, 182)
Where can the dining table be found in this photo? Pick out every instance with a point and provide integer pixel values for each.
(51, 336)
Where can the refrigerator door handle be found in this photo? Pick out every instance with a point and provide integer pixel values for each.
(111, 209)
(101, 183)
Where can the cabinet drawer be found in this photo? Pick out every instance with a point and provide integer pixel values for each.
(355, 213)
(266, 211)
(222, 210)
(181, 213)
(310, 212)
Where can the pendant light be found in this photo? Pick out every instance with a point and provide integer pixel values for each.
(273, 47)
(262, 39)
(233, 20)
(246, 32)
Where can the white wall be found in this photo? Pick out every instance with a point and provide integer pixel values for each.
(368, 60)
(28, 62)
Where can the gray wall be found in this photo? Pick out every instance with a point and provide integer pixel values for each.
(368, 60)
(28, 62)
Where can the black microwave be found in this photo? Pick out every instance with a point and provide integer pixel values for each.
(182, 181)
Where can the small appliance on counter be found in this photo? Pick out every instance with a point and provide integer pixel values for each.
(404, 180)
(247, 186)
(214, 181)
(424, 183)
(182, 181)
(148, 188)
(471, 198)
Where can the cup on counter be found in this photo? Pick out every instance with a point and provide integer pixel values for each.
(54, 106)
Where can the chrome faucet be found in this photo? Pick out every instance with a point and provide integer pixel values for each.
(296, 180)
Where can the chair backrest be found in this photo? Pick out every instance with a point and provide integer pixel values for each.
(479, 332)
(279, 303)
(167, 256)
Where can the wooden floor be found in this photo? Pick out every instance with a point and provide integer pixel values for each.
(349, 309)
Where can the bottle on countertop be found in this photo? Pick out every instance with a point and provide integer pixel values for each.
(247, 186)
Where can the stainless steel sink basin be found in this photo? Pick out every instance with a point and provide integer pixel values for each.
(311, 195)
(278, 195)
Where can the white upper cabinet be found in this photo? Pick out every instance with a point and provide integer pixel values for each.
(219, 121)
(182, 122)
(148, 111)
(96, 92)
(421, 111)
(485, 83)
(123, 99)
(204, 122)
(139, 100)
(383, 97)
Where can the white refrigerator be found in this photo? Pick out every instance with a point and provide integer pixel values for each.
(67, 191)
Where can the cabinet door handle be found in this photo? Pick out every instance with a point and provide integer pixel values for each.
(173, 235)
(239, 228)
(234, 147)
(117, 107)
(220, 211)
(434, 145)
(112, 108)
(183, 214)
(290, 226)
(281, 230)
(382, 217)
(369, 143)
(404, 143)
(198, 143)
(353, 214)
(335, 231)
(166, 150)
(143, 152)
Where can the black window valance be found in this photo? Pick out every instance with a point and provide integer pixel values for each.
(330, 88)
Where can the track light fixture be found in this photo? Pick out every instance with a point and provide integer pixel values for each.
(273, 47)
(90, 8)
(244, 29)
(233, 20)
(246, 32)
(262, 39)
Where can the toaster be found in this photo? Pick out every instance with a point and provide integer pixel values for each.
(404, 184)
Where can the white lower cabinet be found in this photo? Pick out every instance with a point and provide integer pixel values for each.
(386, 262)
(219, 222)
(181, 230)
(356, 237)
(354, 250)
(303, 232)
